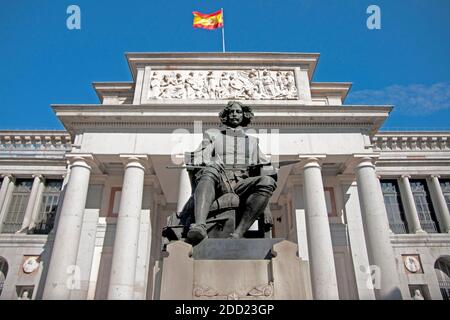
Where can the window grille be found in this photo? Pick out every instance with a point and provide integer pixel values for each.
(424, 206)
(49, 205)
(394, 208)
(17, 206)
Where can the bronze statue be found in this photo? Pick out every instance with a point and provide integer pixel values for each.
(228, 163)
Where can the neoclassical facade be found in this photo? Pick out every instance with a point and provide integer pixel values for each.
(82, 210)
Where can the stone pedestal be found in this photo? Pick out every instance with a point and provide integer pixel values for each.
(216, 269)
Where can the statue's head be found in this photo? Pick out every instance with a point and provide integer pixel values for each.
(235, 114)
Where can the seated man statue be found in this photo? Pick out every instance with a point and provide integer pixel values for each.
(229, 161)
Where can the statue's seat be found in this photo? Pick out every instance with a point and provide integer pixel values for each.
(220, 223)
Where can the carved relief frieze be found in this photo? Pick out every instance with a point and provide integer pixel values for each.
(253, 84)
(263, 291)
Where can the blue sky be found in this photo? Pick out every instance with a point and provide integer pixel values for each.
(405, 63)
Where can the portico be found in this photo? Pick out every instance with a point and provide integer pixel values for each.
(118, 193)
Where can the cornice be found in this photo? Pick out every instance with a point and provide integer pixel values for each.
(219, 59)
(426, 240)
(335, 88)
(78, 117)
(119, 89)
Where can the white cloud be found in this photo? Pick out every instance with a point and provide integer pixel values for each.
(412, 99)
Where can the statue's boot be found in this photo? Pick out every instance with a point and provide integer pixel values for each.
(203, 197)
(197, 233)
(254, 207)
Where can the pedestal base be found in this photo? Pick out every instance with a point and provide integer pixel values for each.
(229, 273)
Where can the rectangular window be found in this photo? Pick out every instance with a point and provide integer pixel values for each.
(394, 208)
(424, 206)
(49, 205)
(17, 206)
(445, 186)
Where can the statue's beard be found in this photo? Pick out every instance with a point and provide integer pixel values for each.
(234, 123)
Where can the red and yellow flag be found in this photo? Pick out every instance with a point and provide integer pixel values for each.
(208, 21)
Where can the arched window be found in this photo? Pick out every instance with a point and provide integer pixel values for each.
(442, 268)
(3, 272)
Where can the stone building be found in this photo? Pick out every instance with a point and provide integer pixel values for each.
(81, 210)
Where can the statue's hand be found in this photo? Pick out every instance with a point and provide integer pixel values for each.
(268, 219)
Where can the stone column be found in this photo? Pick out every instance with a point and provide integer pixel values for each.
(123, 267)
(184, 190)
(320, 248)
(356, 237)
(5, 194)
(410, 206)
(440, 203)
(62, 271)
(37, 206)
(37, 182)
(7, 179)
(376, 228)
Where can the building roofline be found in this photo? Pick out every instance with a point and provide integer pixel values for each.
(264, 59)
(33, 132)
(341, 88)
(102, 87)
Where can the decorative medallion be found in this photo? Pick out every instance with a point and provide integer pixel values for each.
(30, 265)
(412, 264)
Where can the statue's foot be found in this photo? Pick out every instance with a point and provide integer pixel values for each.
(197, 233)
(234, 236)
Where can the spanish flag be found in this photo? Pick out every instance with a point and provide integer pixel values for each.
(208, 21)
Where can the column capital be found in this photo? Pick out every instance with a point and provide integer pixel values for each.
(135, 160)
(312, 161)
(405, 176)
(80, 160)
(8, 175)
(365, 161)
(435, 175)
(39, 176)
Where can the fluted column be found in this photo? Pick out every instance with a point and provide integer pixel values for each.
(440, 204)
(37, 207)
(7, 179)
(410, 206)
(320, 248)
(376, 229)
(37, 182)
(5, 195)
(62, 267)
(123, 267)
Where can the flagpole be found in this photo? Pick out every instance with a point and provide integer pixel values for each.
(223, 31)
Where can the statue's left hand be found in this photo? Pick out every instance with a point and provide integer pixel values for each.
(268, 219)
